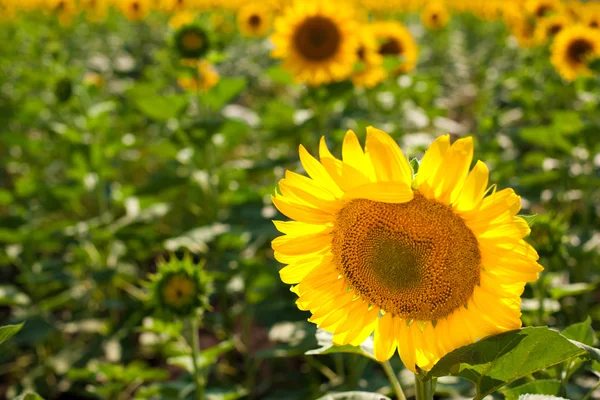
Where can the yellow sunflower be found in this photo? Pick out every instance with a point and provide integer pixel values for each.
(435, 15)
(429, 263)
(395, 40)
(181, 18)
(63, 9)
(523, 28)
(254, 19)
(203, 79)
(317, 41)
(95, 10)
(547, 28)
(573, 48)
(371, 72)
(593, 19)
(543, 8)
(134, 10)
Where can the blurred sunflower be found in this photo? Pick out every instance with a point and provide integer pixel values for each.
(181, 18)
(593, 19)
(95, 10)
(254, 19)
(63, 9)
(317, 41)
(547, 28)
(202, 77)
(395, 40)
(427, 262)
(179, 287)
(134, 10)
(542, 8)
(371, 72)
(573, 48)
(435, 15)
(523, 29)
(191, 41)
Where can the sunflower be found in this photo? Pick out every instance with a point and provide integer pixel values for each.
(317, 41)
(547, 28)
(435, 15)
(181, 18)
(371, 72)
(523, 28)
(593, 19)
(63, 9)
(134, 10)
(395, 40)
(542, 8)
(191, 41)
(429, 263)
(573, 48)
(203, 77)
(254, 19)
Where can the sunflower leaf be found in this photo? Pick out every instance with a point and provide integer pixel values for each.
(543, 386)
(498, 360)
(8, 331)
(325, 340)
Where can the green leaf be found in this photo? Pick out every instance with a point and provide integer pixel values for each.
(530, 219)
(581, 332)
(354, 396)
(572, 289)
(501, 359)
(325, 340)
(155, 105)
(206, 358)
(29, 396)
(8, 331)
(223, 92)
(279, 75)
(544, 386)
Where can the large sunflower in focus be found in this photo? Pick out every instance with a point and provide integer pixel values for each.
(254, 19)
(317, 41)
(396, 41)
(572, 50)
(429, 263)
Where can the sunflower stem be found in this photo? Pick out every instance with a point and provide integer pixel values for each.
(423, 388)
(198, 378)
(393, 380)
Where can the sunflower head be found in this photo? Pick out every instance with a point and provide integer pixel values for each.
(317, 41)
(396, 41)
(134, 10)
(573, 49)
(200, 75)
(181, 18)
(254, 19)
(435, 15)
(179, 287)
(548, 28)
(95, 10)
(542, 8)
(429, 260)
(191, 41)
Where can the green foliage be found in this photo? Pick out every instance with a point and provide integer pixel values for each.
(8, 331)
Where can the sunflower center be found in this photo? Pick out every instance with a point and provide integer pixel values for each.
(390, 47)
(254, 21)
(135, 6)
(554, 29)
(192, 41)
(417, 260)
(578, 50)
(317, 38)
(543, 10)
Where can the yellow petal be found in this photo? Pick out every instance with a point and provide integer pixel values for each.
(452, 172)
(388, 161)
(318, 172)
(303, 197)
(302, 213)
(385, 340)
(295, 228)
(405, 347)
(387, 192)
(431, 161)
(474, 188)
(352, 152)
(298, 245)
(294, 273)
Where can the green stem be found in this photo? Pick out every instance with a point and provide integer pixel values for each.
(393, 380)
(423, 388)
(198, 377)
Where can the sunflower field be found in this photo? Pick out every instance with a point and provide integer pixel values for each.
(299, 199)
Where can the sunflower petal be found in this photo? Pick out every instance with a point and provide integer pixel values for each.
(386, 192)
(385, 341)
(389, 162)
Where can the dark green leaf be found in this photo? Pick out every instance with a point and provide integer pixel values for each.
(225, 91)
(544, 386)
(501, 359)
